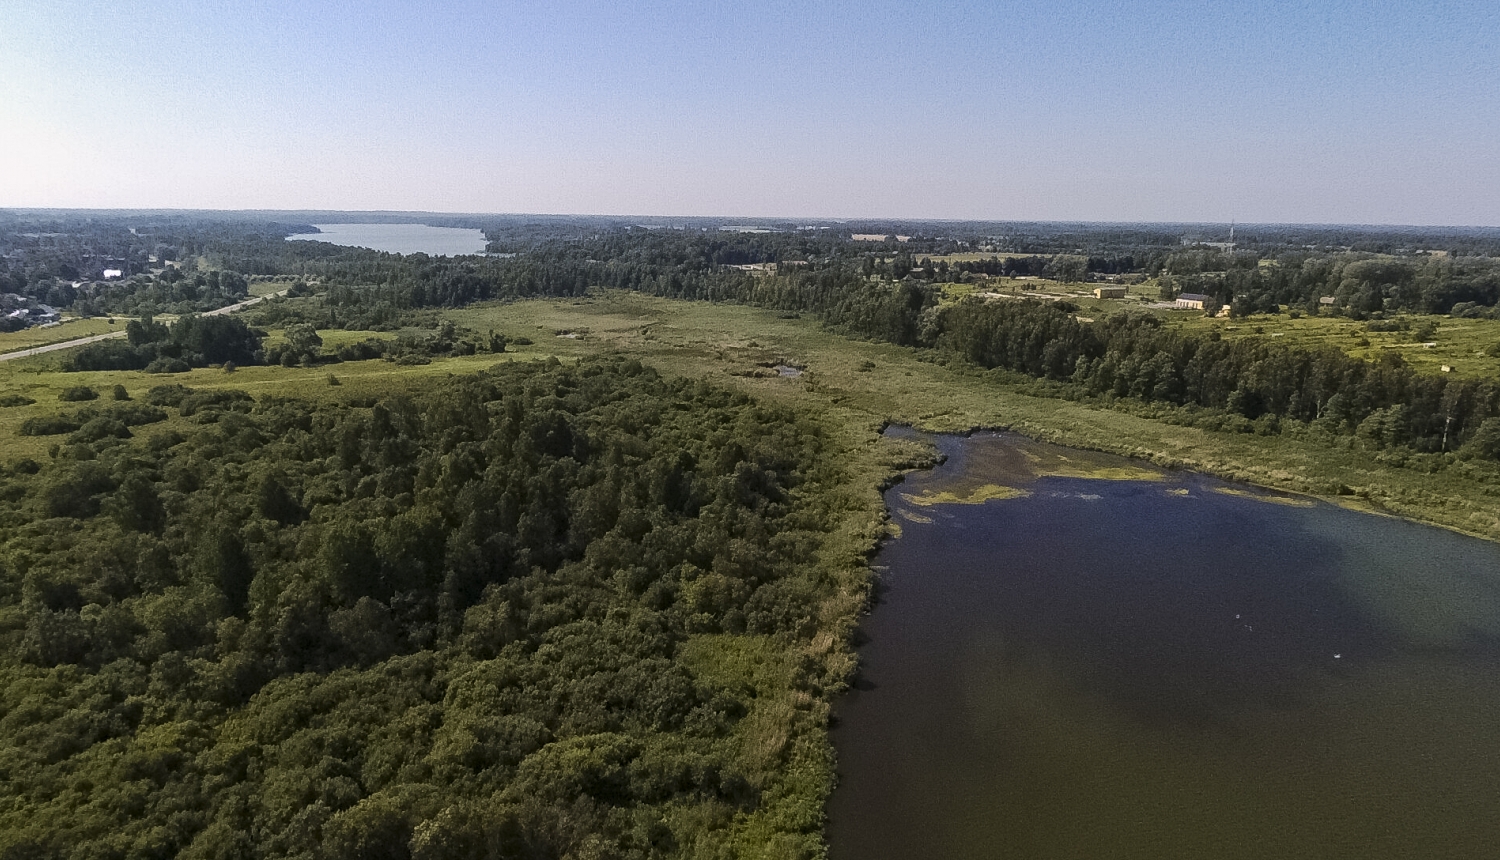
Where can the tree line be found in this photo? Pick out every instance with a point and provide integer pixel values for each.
(192, 341)
(1120, 356)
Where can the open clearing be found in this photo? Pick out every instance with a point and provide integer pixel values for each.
(72, 329)
(858, 386)
(1461, 344)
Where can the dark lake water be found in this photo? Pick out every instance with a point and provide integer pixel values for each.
(400, 238)
(1157, 665)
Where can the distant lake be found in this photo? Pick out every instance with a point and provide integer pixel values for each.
(400, 238)
(1075, 656)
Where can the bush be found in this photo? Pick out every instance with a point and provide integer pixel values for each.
(217, 399)
(101, 428)
(120, 393)
(167, 395)
(162, 441)
(16, 400)
(370, 347)
(135, 414)
(110, 355)
(168, 365)
(50, 425)
(1486, 440)
(78, 393)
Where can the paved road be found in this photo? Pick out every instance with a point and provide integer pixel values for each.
(69, 344)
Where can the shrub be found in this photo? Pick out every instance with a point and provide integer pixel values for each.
(135, 414)
(370, 347)
(1486, 440)
(109, 355)
(101, 428)
(78, 393)
(120, 393)
(215, 399)
(162, 441)
(16, 400)
(49, 425)
(168, 365)
(167, 395)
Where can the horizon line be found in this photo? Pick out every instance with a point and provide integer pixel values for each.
(839, 219)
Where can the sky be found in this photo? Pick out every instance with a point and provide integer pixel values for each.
(1156, 110)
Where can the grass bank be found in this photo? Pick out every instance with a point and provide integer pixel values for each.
(70, 329)
(862, 386)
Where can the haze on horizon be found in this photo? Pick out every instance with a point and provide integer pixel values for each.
(1341, 112)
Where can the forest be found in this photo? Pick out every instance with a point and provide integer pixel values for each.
(482, 621)
(550, 610)
(1249, 386)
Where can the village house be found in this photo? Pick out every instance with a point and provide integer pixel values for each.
(1191, 301)
(1110, 292)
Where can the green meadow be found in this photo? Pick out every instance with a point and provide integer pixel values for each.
(68, 329)
(860, 387)
(1469, 347)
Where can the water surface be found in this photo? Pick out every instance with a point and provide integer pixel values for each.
(1078, 657)
(400, 238)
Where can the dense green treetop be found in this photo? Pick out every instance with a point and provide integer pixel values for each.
(479, 622)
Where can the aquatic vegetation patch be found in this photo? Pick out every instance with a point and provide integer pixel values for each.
(1289, 501)
(973, 496)
(913, 516)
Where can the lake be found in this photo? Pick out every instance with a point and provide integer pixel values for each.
(1077, 656)
(400, 238)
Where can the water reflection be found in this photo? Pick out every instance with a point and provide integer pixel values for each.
(1134, 664)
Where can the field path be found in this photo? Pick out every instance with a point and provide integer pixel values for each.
(69, 344)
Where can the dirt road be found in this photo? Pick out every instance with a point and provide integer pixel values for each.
(69, 344)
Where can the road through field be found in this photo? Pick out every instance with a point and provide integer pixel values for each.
(68, 344)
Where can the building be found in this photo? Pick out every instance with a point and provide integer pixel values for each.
(1110, 292)
(1191, 301)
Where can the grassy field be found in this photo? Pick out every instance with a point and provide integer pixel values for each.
(1461, 344)
(858, 386)
(264, 285)
(864, 385)
(14, 341)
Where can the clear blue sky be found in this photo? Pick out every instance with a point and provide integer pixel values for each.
(1368, 112)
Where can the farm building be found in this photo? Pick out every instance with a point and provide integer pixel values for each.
(1109, 292)
(1191, 301)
